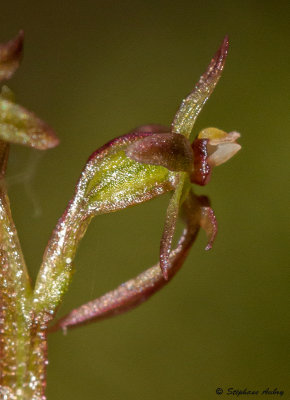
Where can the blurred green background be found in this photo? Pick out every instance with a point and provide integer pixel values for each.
(96, 69)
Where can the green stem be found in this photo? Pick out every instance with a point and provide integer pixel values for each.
(56, 271)
(15, 296)
(52, 282)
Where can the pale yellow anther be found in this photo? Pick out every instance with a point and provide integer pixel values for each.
(212, 134)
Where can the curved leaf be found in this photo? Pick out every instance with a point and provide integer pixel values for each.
(129, 294)
(137, 290)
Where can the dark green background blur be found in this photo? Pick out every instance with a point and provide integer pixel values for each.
(96, 69)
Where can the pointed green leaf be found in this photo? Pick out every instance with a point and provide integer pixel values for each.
(191, 106)
(18, 125)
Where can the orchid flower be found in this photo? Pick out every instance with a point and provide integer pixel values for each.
(147, 162)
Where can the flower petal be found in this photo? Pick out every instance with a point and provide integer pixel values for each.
(223, 153)
(191, 106)
(10, 56)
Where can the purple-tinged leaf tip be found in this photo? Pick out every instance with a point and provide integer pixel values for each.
(10, 56)
(191, 106)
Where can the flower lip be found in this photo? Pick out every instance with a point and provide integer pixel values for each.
(221, 146)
